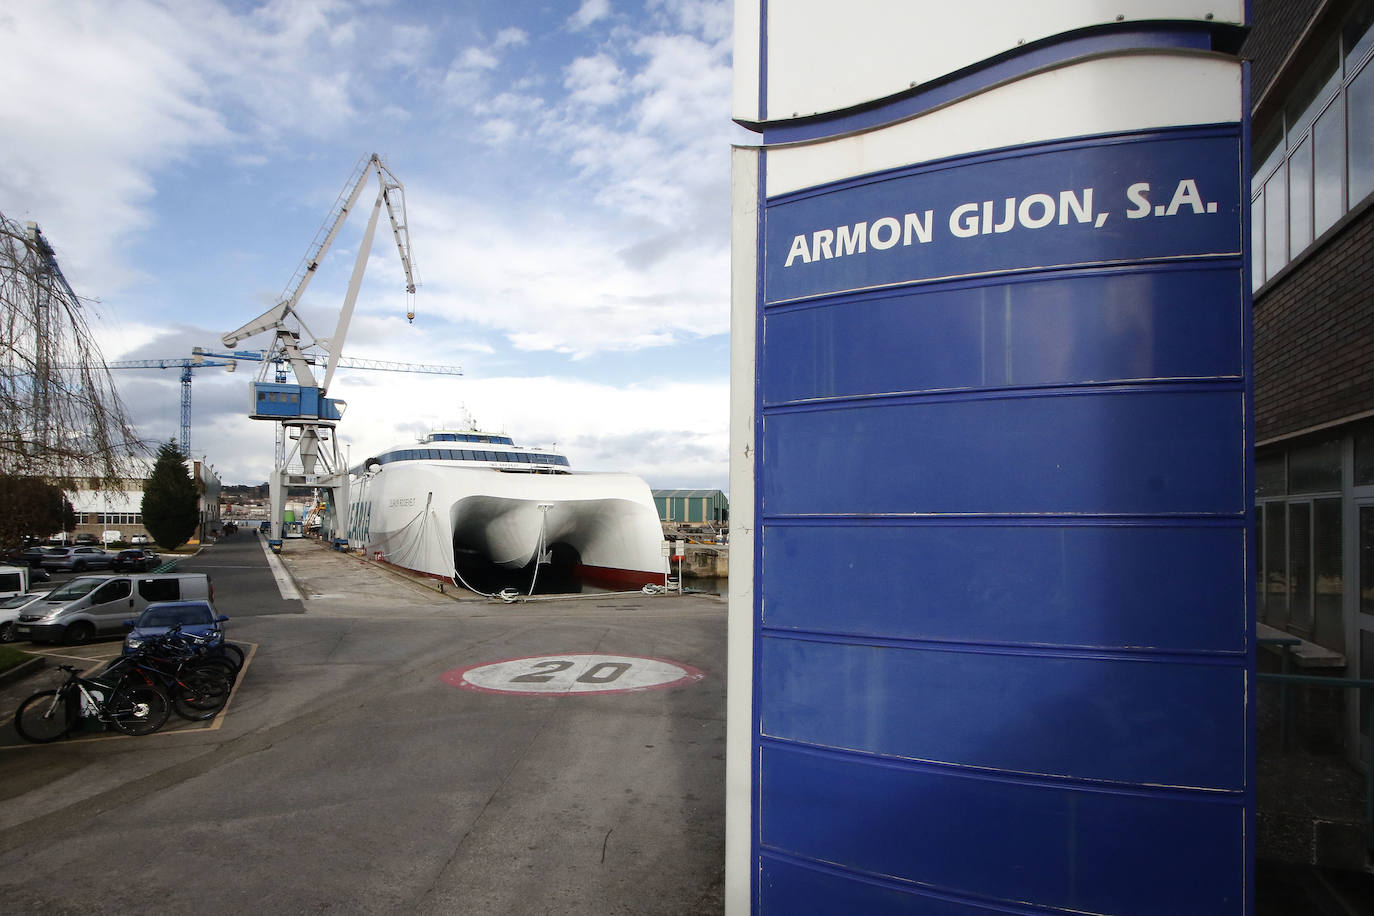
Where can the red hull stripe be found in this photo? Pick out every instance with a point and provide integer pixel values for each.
(606, 576)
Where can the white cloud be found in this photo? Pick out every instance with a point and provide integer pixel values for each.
(512, 36)
(478, 59)
(87, 86)
(589, 12)
(563, 282)
(712, 19)
(594, 80)
(498, 131)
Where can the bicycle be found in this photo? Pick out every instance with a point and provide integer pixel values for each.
(197, 691)
(135, 709)
(196, 650)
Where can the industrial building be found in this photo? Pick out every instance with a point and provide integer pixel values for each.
(1312, 244)
(115, 515)
(692, 507)
(1312, 194)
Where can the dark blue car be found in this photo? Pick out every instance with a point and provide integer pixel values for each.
(196, 618)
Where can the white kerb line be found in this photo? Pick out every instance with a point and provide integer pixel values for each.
(284, 583)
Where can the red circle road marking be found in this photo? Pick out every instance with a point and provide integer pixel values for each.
(578, 673)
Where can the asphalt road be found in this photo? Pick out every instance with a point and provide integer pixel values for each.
(353, 773)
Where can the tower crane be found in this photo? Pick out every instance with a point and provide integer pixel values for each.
(185, 364)
(301, 409)
(201, 358)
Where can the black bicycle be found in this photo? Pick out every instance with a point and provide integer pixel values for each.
(197, 690)
(133, 708)
(198, 650)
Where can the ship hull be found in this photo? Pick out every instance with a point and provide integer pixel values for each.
(488, 529)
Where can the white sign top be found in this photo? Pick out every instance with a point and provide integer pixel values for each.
(824, 56)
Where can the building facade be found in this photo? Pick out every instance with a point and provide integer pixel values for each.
(1312, 195)
(692, 507)
(114, 515)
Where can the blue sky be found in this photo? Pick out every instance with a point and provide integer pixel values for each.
(566, 167)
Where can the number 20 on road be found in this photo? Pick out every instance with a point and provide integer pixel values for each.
(566, 674)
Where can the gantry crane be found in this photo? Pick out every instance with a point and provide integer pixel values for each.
(300, 409)
(201, 358)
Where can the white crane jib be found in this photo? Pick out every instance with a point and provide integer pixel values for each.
(292, 335)
(303, 406)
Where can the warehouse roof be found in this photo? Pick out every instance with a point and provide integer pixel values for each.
(689, 494)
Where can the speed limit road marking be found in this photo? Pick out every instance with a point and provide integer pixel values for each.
(573, 673)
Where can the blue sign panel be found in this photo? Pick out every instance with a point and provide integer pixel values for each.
(1003, 647)
(1163, 197)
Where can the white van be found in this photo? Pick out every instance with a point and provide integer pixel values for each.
(89, 605)
(10, 609)
(14, 580)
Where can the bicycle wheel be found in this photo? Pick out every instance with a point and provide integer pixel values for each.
(138, 710)
(231, 653)
(214, 663)
(199, 695)
(43, 717)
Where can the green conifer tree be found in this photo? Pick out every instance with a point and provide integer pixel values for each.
(170, 510)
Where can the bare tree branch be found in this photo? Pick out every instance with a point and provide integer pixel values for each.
(60, 416)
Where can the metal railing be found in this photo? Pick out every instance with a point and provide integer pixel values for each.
(1284, 680)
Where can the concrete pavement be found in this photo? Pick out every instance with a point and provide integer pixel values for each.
(357, 772)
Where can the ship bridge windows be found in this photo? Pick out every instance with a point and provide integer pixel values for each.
(470, 437)
(432, 454)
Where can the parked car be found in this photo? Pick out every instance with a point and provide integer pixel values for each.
(86, 539)
(78, 559)
(140, 539)
(87, 605)
(10, 609)
(31, 557)
(196, 618)
(135, 559)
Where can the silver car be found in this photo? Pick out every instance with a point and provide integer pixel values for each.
(78, 559)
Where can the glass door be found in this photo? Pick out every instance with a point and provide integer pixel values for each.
(1363, 648)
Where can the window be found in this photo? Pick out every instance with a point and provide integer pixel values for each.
(1299, 534)
(1328, 172)
(1275, 565)
(1328, 575)
(112, 591)
(1360, 114)
(1300, 567)
(1276, 221)
(1315, 468)
(1364, 456)
(1307, 174)
(159, 589)
(1300, 204)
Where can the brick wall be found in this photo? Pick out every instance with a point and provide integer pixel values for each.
(1314, 336)
(1277, 26)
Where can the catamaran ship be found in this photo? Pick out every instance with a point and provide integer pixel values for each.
(475, 508)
